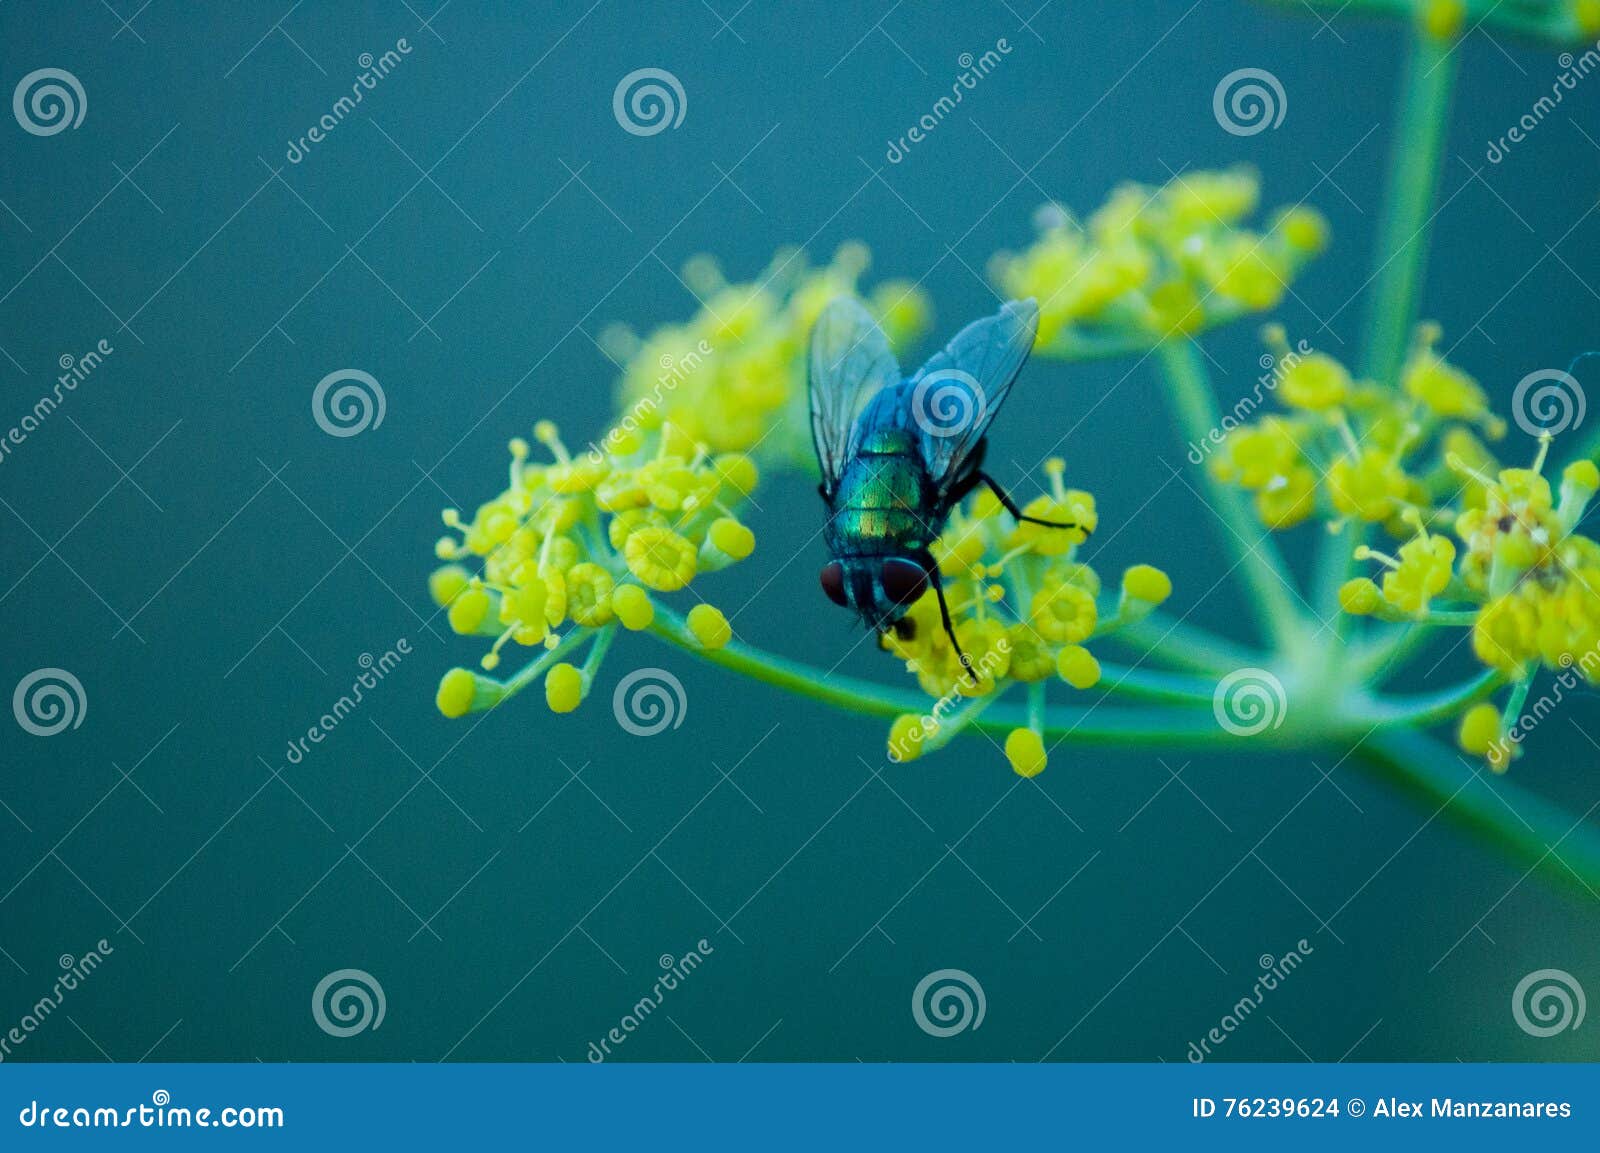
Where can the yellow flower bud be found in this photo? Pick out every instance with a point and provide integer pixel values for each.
(633, 608)
(906, 735)
(660, 558)
(1025, 751)
(709, 626)
(732, 537)
(1480, 729)
(1359, 597)
(456, 690)
(563, 688)
(469, 609)
(1582, 474)
(1147, 583)
(1077, 666)
(447, 582)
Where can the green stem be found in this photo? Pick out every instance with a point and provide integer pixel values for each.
(1529, 828)
(1185, 645)
(1419, 710)
(1189, 387)
(1408, 204)
(534, 669)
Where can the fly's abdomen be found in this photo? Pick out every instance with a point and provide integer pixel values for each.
(882, 505)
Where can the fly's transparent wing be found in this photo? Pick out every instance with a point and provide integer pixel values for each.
(850, 362)
(953, 398)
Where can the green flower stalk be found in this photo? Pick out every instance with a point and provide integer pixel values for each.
(1427, 532)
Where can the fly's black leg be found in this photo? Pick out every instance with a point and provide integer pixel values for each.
(949, 629)
(1011, 506)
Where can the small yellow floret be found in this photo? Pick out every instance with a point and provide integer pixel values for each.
(563, 688)
(1582, 474)
(1147, 583)
(1480, 729)
(456, 690)
(1359, 597)
(1077, 666)
(660, 558)
(1025, 751)
(1443, 19)
(905, 738)
(709, 626)
(731, 537)
(446, 582)
(633, 608)
(468, 610)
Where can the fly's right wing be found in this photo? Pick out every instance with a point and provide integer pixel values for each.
(850, 362)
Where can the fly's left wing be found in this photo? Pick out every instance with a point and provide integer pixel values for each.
(850, 362)
(954, 397)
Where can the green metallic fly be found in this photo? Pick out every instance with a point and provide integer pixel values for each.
(897, 454)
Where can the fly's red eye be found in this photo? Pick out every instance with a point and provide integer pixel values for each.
(833, 583)
(903, 580)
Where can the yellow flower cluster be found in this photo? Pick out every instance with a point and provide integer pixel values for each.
(1348, 449)
(584, 542)
(1023, 608)
(733, 376)
(1158, 261)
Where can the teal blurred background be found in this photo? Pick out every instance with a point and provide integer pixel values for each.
(218, 596)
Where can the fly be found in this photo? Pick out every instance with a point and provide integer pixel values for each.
(897, 454)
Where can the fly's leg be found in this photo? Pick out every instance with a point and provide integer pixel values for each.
(949, 629)
(1011, 506)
